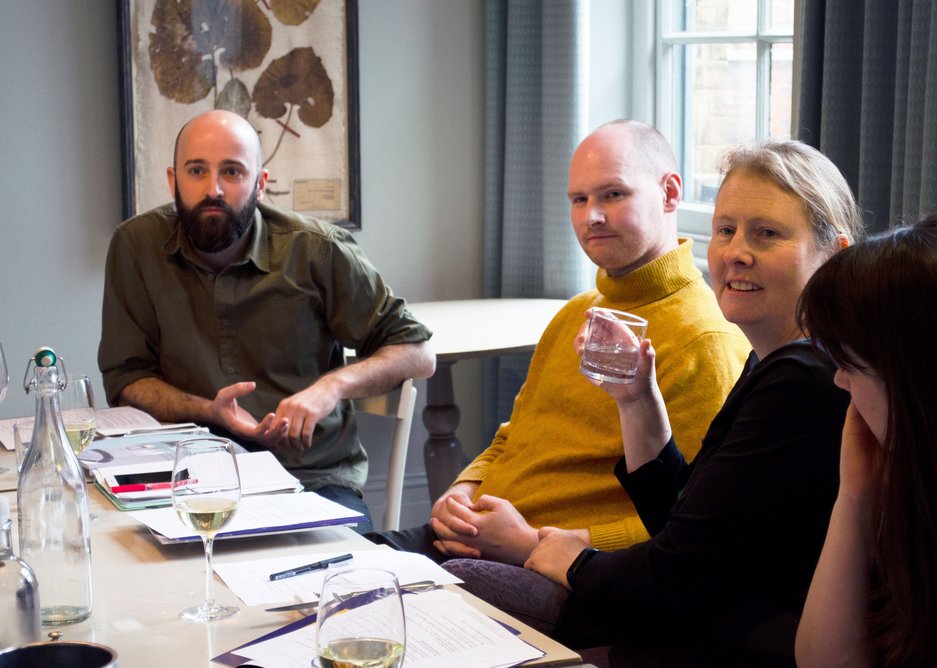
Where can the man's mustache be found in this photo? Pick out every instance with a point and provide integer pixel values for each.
(210, 202)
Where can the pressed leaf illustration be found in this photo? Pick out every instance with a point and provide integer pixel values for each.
(202, 47)
(235, 97)
(193, 38)
(297, 80)
(293, 12)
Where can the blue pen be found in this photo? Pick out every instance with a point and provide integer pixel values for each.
(308, 568)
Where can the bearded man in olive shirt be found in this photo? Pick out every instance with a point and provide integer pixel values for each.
(227, 312)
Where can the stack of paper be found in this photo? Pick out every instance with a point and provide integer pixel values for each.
(256, 515)
(116, 421)
(146, 484)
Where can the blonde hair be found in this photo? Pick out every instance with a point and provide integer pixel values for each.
(809, 175)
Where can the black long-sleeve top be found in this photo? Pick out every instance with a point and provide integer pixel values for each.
(736, 534)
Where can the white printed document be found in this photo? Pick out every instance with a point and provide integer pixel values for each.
(114, 421)
(256, 515)
(442, 630)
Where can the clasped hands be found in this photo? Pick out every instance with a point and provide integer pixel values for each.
(489, 528)
(290, 427)
(492, 528)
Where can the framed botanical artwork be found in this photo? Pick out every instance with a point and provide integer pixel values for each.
(288, 66)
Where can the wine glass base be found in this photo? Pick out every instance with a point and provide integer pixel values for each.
(209, 613)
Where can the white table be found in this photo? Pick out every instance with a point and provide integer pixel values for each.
(469, 329)
(139, 587)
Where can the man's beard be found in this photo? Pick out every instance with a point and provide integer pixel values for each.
(215, 232)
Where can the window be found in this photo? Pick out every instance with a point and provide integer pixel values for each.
(724, 77)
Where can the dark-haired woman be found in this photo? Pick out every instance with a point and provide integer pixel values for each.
(873, 599)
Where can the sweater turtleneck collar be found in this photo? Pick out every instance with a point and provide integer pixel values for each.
(652, 282)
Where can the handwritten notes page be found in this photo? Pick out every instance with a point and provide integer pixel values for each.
(442, 630)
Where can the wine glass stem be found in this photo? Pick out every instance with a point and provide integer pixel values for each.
(208, 541)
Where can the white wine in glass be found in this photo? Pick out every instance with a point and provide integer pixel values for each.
(360, 620)
(77, 403)
(206, 489)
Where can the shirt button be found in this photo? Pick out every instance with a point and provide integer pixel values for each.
(225, 322)
(230, 370)
(211, 277)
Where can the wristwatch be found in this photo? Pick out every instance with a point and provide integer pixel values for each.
(580, 560)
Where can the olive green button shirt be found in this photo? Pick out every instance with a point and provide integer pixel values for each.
(280, 316)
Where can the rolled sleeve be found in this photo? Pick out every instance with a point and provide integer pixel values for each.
(129, 328)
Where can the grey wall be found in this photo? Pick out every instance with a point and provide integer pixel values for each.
(421, 69)
(421, 89)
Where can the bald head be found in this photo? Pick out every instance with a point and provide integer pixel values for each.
(641, 139)
(221, 121)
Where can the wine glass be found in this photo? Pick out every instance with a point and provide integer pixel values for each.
(206, 489)
(4, 383)
(77, 403)
(360, 620)
(4, 375)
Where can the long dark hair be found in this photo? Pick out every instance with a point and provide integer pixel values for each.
(871, 305)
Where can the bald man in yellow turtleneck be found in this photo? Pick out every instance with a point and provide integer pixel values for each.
(553, 462)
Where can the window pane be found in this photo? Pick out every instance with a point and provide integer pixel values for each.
(782, 61)
(714, 15)
(782, 16)
(714, 88)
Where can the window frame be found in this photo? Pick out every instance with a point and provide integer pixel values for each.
(694, 219)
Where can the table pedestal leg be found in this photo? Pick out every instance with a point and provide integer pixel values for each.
(442, 452)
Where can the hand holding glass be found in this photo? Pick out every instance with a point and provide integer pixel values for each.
(77, 403)
(360, 620)
(206, 489)
(612, 340)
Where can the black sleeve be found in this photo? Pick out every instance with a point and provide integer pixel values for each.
(655, 487)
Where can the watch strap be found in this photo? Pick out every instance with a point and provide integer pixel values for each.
(574, 568)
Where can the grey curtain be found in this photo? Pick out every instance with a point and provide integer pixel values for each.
(868, 100)
(535, 113)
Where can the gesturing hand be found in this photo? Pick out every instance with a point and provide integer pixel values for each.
(304, 410)
(227, 413)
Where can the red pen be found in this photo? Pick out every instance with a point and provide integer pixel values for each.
(145, 487)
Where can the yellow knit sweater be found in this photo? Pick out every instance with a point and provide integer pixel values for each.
(554, 460)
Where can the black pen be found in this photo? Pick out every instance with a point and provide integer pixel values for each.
(308, 568)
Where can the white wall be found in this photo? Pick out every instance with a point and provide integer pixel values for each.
(421, 81)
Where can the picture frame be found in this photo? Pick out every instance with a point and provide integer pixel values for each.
(289, 66)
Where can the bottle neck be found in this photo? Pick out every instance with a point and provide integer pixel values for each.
(48, 409)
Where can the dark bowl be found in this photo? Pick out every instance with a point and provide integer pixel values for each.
(59, 654)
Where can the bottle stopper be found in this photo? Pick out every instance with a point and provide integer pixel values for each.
(45, 356)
